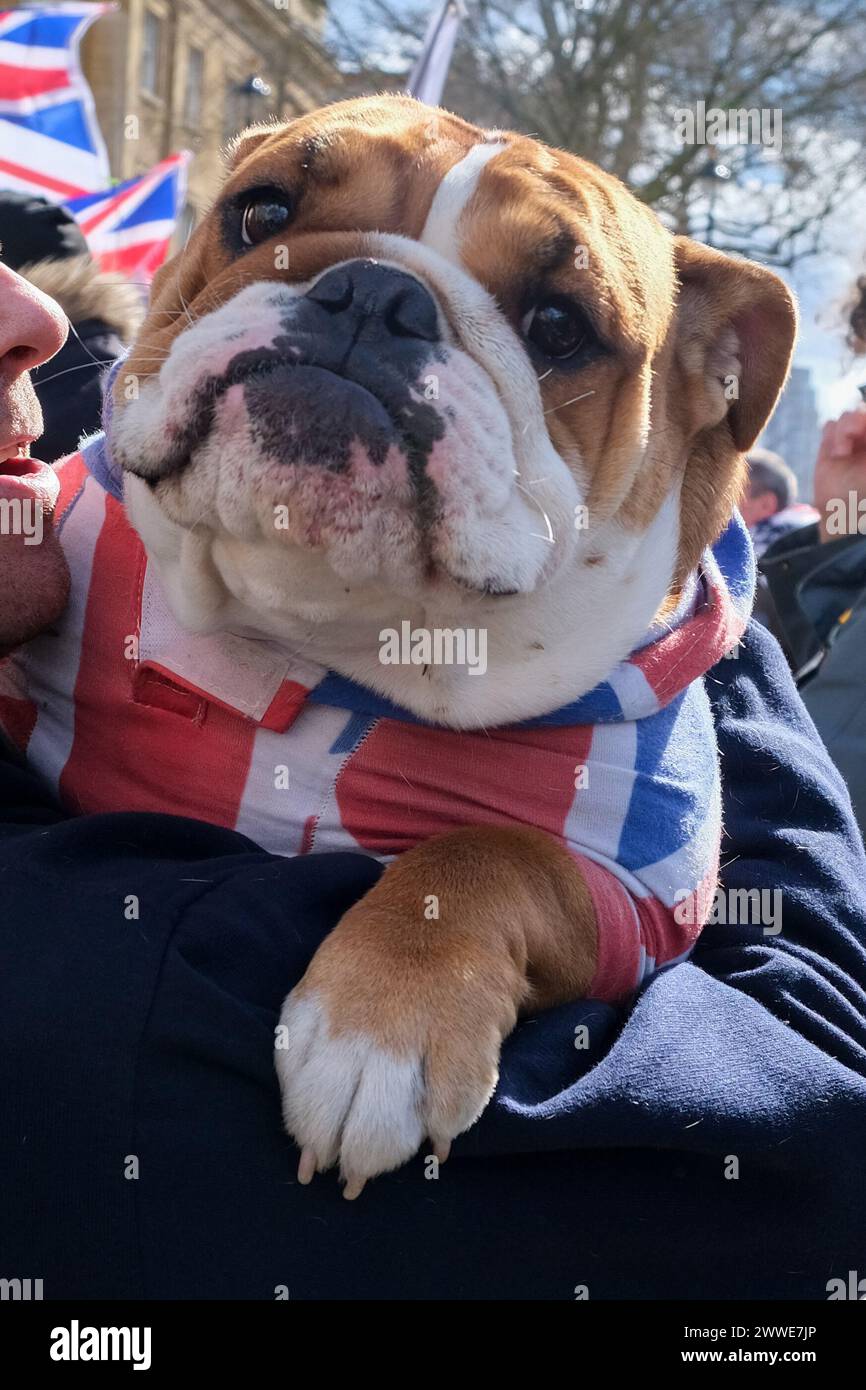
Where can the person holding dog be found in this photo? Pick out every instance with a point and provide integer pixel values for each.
(144, 957)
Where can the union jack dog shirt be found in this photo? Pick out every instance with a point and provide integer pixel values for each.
(121, 709)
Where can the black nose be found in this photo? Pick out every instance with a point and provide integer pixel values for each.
(365, 290)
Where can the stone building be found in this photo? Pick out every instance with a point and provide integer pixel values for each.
(169, 75)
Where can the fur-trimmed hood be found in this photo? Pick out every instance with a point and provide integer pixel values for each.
(84, 292)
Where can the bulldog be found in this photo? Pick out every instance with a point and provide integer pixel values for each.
(409, 383)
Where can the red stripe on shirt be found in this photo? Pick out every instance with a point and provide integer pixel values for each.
(407, 782)
(619, 940)
(73, 474)
(674, 662)
(285, 707)
(627, 922)
(17, 713)
(134, 748)
(688, 652)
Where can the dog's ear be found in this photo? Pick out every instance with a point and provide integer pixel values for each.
(736, 323)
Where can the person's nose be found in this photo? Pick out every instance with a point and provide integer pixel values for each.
(32, 326)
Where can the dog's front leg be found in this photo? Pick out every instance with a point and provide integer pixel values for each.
(394, 1032)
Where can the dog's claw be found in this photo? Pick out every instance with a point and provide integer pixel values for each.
(307, 1167)
(353, 1188)
(442, 1149)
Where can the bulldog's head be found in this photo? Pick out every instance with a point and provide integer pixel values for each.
(408, 370)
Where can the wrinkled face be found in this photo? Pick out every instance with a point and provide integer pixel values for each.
(410, 371)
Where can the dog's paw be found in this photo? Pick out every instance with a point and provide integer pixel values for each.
(379, 1048)
(346, 1099)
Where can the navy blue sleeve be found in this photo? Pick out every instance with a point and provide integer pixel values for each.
(745, 1067)
(791, 831)
(764, 1022)
(25, 800)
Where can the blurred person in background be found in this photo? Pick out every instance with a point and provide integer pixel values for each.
(45, 245)
(769, 507)
(815, 593)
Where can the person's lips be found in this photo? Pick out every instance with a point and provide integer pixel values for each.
(34, 575)
(25, 477)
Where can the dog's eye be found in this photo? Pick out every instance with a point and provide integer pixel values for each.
(558, 328)
(263, 216)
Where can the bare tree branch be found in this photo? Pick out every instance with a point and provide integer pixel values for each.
(606, 78)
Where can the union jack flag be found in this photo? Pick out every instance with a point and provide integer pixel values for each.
(50, 142)
(129, 227)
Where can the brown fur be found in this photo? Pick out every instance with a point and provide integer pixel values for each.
(516, 931)
(507, 898)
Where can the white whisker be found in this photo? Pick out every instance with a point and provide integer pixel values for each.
(44, 380)
(550, 536)
(571, 402)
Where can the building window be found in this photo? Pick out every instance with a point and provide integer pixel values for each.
(151, 53)
(192, 93)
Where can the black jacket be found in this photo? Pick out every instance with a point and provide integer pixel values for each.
(816, 605)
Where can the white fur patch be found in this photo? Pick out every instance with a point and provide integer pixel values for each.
(442, 228)
(343, 1097)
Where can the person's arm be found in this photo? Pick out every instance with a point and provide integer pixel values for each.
(143, 961)
(752, 1034)
(789, 831)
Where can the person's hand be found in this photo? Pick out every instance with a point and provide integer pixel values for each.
(34, 577)
(840, 476)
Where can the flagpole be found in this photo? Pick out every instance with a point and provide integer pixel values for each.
(429, 74)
